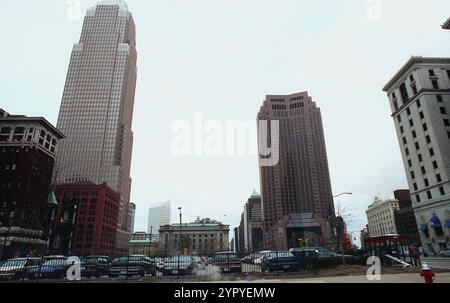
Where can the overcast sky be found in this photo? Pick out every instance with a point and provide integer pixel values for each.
(220, 58)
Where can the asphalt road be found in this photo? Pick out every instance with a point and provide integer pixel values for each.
(397, 278)
(437, 262)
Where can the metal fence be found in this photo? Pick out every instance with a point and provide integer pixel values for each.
(225, 266)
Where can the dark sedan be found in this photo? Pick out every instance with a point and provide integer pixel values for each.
(131, 266)
(95, 266)
(280, 261)
(52, 269)
(179, 266)
(16, 269)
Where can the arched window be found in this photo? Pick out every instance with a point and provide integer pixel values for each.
(4, 133)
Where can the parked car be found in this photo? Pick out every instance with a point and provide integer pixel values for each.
(16, 269)
(95, 266)
(130, 266)
(259, 257)
(445, 253)
(280, 261)
(52, 268)
(308, 252)
(159, 263)
(179, 266)
(228, 262)
(250, 259)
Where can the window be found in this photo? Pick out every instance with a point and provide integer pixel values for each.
(405, 141)
(395, 105)
(409, 163)
(438, 178)
(448, 73)
(411, 77)
(428, 138)
(419, 105)
(435, 84)
(429, 195)
(420, 158)
(422, 116)
(414, 88)
(407, 151)
(426, 182)
(431, 152)
(404, 93)
(408, 111)
(415, 186)
(402, 130)
(441, 189)
(413, 175)
(417, 145)
(418, 198)
(399, 118)
(411, 122)
(448, 135)
(435, 165)
(446, 122)
(425, 127)
(424, 171)
(439, 98)
(414, 134)
(431, 72)
(443, 110)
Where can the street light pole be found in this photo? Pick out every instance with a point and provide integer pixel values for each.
(151, 240)
(181, 229)
(344, 193)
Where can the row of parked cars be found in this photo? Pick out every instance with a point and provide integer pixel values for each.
(56, 267)
(270, 261)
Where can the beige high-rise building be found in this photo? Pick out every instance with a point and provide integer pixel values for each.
(419, 96)
(381, 217)
(299, 183)
(97, 107)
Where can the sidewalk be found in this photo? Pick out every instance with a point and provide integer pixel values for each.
(387, 278)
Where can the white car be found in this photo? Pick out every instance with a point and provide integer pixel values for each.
(445, 253)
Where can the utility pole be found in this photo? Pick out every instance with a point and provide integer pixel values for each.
(181, 229)
(151, 240)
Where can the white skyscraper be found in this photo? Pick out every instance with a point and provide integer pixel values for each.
(158, 214)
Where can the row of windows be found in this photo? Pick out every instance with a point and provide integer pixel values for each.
(429, 194)
(404, 92)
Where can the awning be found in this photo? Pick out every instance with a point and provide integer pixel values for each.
(435, 222)
(423, 227)
(447, 224)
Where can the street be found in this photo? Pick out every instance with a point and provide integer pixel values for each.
(437, 262)
(391, 278)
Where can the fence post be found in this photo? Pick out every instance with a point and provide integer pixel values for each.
(178, 266)
(278, 263)
(128, 264)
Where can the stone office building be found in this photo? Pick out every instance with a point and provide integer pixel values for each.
(204, 237)
(419, 95)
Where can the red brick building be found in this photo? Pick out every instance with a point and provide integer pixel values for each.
(27, 156)
(88, 217)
